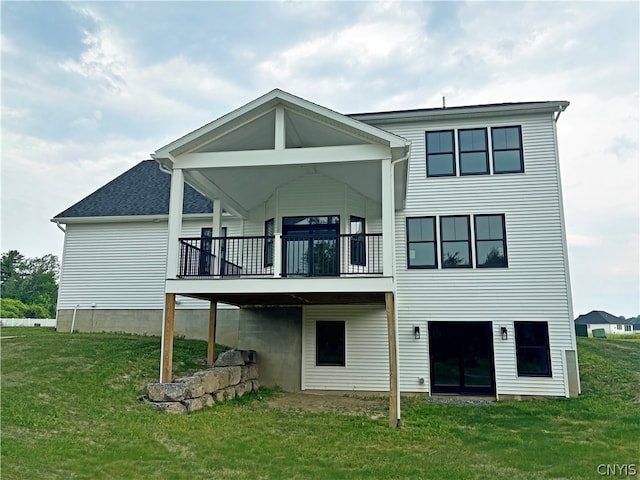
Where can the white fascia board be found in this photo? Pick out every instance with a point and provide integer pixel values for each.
(485, 111)
(292, 156)
(279, 285)
(131, 218)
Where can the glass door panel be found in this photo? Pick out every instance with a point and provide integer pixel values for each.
(311, 246)
(461, 357)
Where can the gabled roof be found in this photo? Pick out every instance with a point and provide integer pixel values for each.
(599, 317)
(255, 115)
(141, 190)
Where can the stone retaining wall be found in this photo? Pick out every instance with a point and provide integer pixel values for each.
(234, 373)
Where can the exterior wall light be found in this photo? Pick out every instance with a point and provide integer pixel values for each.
(416, 332)
(503, 333)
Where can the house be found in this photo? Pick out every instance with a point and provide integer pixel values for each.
(401, 251)
(597, 319)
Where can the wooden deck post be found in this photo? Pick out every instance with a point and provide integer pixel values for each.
(211, 345)
(167, 337)
(394, 398)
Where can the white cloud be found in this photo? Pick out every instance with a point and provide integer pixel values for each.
(73, 121)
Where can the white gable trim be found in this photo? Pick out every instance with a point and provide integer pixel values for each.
(268, 102)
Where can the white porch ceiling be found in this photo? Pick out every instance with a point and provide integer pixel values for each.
(252, 186)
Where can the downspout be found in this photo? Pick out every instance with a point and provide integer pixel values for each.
(60, 226)
(393, 271)
(562, 109)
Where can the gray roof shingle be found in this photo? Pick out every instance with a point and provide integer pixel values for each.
(599, 317)
(141, 190)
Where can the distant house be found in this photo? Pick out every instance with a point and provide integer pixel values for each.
(610, 323)
(403, 251)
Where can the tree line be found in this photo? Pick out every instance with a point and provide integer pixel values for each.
(29, 286)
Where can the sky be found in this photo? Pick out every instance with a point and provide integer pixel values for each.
(90, 89)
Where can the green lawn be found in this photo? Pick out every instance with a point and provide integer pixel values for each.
(69, 410)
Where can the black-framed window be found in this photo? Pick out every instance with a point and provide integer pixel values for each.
(491, 244)
(532, 349)
(474, 155)
(507, 149)
(421, 242)
(330, 343)
(269, 230)
(455, 241)
(358, 239)
(440, 154)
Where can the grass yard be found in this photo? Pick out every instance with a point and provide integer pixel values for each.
(69, 410)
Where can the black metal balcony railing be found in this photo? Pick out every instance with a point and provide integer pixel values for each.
(300, 256)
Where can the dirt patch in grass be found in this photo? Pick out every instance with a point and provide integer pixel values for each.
(370, 405)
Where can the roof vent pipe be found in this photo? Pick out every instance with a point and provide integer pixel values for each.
(444, 102)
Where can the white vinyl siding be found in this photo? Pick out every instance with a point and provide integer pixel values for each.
(367, 350)
(532, 288)
(121, 265)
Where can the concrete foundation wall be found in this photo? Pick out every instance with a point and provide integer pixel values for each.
(192, 324)
(275, 333)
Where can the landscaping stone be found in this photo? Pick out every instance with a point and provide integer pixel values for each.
(166, 392)
(213, 379)
(194, 386)
(193, 404)
(205, 388)
(169, 407)
(229, 393)
(242, 388)
(235, 373)
(248, 372)
(230, 358)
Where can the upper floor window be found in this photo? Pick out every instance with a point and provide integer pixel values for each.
(491, 245)
(507, 149)
(474, 156)
(440, 154)
(532, 349)
(269, 231)
(358, 255)
(421, 242)
(455, 240)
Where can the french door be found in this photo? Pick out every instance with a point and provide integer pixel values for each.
(311, 246)
(461, 357)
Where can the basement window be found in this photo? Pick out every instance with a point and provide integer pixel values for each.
(532, 349)
(330, 343)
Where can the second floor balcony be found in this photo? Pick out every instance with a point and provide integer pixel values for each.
(278, 256)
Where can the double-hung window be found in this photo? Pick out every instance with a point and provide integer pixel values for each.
(491, 245)
(421, 242)
(532, 349)
(440, 154)
(507, 150)
(474, 156)
(455, 241)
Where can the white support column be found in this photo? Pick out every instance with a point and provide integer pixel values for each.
(216, 232)
(279, 130)
(175, 221)
(387, 218)
(277, 255)
(217, 218)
